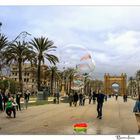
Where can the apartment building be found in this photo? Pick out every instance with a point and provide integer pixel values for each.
(29, 75)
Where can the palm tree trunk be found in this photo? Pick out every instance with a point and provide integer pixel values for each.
(70, 85)
(20, 74)
(38, 75)
(52, 77)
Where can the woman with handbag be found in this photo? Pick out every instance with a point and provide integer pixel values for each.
(136, 110)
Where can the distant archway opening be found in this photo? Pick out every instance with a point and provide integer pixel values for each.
(115, 88)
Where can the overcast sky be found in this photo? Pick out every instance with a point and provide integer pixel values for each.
(111, 33)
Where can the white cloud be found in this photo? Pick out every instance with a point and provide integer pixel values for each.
(124, 43)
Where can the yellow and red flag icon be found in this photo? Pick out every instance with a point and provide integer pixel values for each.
(80, 127)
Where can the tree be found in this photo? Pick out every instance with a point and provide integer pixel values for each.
(42, 48)
(3, 41)
(4, 84)
(70, 76)
(53, 73)
(18, 52)
(3, 44)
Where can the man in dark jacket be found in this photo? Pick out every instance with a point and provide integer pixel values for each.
(70, 99)
(100, 99)
(75, 98)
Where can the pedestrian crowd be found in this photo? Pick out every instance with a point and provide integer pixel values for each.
(11, 103)
(93, 96)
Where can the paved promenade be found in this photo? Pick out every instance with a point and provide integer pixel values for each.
(59, 118)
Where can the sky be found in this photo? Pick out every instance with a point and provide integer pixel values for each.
(110, 33)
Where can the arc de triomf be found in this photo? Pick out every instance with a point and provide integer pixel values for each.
(110, 80)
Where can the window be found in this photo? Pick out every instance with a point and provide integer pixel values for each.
(16, 74)
(14, 68)
(33, 80)
(15, 79)
(24, 79)
(27, 80)
(13, 73)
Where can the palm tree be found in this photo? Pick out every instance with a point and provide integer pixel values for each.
(44, 74)
(3, 44)
(58, 81)
(43, 46)
(3, 41)
(70, 76)
(18, 52)
(53, 74)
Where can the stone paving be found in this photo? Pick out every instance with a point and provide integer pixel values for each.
(58, 119)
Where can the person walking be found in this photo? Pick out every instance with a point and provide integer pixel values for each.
(57, 96)
(100, 99)
(94, 97)
(80, 99)
(18, 96)
(84, 98)
(126, 98)
(116, 95)
(70, 99)
(5, 99)
(105, 97)
(26, 98)
(136, 110)
(90, 97)
(75, 98)
(54, 98)
(1, 101)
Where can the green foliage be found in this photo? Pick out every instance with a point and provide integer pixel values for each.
(3, 41)
(5, 84)
(43, 46)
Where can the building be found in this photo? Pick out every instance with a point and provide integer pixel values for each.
(29, 75)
